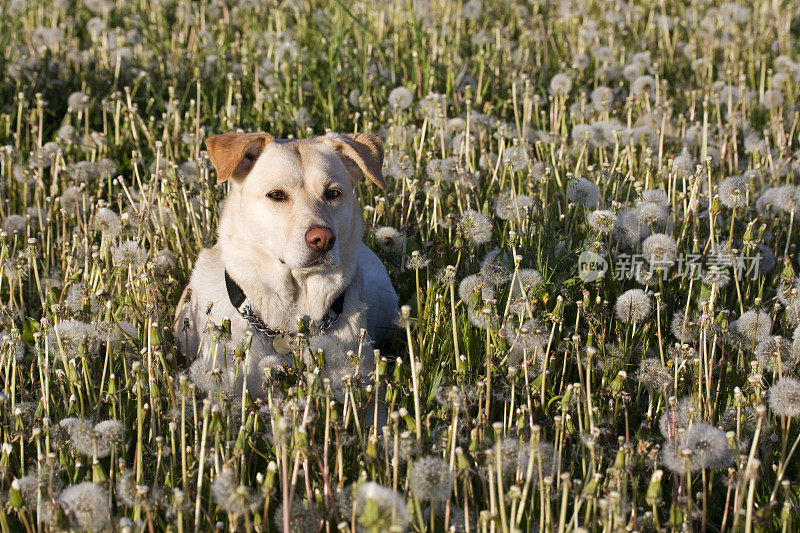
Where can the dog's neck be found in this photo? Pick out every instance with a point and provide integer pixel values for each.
(278, 293)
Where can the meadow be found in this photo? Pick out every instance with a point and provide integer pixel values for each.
(590, 222)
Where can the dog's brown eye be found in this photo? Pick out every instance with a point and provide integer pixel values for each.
(278, 196)
(332, 194)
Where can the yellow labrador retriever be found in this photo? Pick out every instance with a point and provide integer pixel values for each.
(289, 245)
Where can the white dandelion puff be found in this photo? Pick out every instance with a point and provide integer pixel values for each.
(633, 306)
(400, 98)
(584, 192)
(784, 397)
(129, 253)
(432, 479)
(475, 227)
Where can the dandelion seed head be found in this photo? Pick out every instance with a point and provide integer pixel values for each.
(654, 375)
(441, 170)
(86, 506)
(602, 99)
(539, 172)
(633, 306)
(475, 284)
(164, 262)
(787, 293)
(528, 341)
(683, 165)
(514, 455)
(125, 489)
(471, 10)
(601, 220)
(733, 192)
(560, 84)
(582, 134)
(302, 118)
(787, 198)
(581, 61)
(398, 165)
(77, 101)
(14, 271)
(509, 206)
(660, 250)
(417, 261)
(28, 486)
(15, 344)
(107, 222)
(379, 508)
(400, 98)
(485, 318)
(644, 85)
(708, 447)
(544, 457)
(73, 334)
(654, 196)
(752, 327)
(685, 329)
(128, 254)
(527, 279)
(754, 144)
(189, 172)
(584, 192)
(71, 200)
(77, 294)
(516, 157)
(209, 377)
(14, 224)
(389, 238)
(772, 99)
(716, 275)
(784, 397)
(775, 351)
(111, 432)
(232, 497)
(628, 230)
(766, 259)
(494, 267)
(432, 479)
(475, 227)
(652, 214)
(67, 134)
(84, 439)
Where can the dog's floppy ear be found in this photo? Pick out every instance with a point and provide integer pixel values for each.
(362, 153)
(234, 154)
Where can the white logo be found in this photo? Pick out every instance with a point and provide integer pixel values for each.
(591, 266)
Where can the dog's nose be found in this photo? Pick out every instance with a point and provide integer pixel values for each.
(320, 238)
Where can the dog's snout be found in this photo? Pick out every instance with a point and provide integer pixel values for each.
(320, 238)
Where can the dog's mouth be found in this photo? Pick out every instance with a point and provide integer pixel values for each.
(322, 261)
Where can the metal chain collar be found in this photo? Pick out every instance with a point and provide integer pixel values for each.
(248, 314)
(241, 303)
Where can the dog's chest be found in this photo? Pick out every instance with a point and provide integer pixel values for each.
(340, 335)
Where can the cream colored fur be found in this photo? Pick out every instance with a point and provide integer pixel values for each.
(262, 245)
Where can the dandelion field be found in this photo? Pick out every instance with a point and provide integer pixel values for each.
(590, 223)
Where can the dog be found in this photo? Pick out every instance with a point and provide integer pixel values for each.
(290, 244)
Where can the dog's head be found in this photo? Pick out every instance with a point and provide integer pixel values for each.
(295, 200)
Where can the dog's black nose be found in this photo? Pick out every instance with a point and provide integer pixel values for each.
(320, 238)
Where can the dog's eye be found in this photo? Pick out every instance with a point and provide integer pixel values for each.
(332, 194)
(278, 196)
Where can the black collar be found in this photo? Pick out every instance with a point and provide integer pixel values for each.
(238, 297)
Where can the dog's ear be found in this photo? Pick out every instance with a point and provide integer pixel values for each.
(362, 154)
(234, 154)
